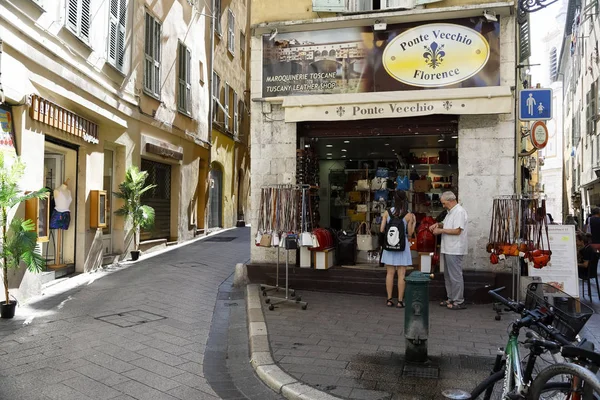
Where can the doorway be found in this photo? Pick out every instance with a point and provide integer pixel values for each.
(109, 168)
(215, 196)
(159, 198)
(60, 166)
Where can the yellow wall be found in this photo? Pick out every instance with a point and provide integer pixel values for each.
(290, 10)
(223, 153)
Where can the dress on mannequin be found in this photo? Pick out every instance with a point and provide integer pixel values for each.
(61, 216)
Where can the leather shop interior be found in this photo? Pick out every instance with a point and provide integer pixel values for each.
(354, 169)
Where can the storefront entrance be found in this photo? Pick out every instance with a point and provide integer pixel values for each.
(359, 166)
(159, 198)
(60, 168)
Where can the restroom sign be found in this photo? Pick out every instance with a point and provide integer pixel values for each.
(535, 104)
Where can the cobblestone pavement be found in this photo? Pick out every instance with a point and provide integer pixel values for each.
(353, 346)
(138, 333)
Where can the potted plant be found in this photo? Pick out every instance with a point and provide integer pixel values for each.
(19, 238)
(131, 191)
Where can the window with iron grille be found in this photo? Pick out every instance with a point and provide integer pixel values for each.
(218, 17)
(216, 86)
(243, 49)
(236, 117)
(231, 32)
(590, 111)
(227, 89)
(184, 98)
(152, 57)
(79, 18)
(116, 33)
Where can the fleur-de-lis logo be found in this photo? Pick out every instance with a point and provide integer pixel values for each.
(434, 55)
(340, 111)
(447, 105)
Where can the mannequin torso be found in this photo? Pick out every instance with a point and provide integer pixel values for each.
(62, 198)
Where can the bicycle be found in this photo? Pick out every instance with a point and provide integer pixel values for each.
(518, 383)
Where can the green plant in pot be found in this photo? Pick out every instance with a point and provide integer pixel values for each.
(19, 237)
(142, 216)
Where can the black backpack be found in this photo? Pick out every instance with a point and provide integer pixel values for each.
(395, 234)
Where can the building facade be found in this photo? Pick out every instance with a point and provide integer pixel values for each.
(230, 158)
(93, 87)
(420, 88)
(579, 72)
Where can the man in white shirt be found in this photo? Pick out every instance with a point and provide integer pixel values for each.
(454, 247)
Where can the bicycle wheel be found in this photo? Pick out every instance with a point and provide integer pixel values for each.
(553, 378)
(490, 388)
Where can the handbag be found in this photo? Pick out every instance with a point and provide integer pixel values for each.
(378, 206)
(402, 183)
(381, 194)
(354, 197)
(362, 185)
(283, 239)
(306, 239)
(362, 208)
(364, 240)
(275, 239)
(315, 241)
(257, 238)
(346, 248)
(378, 183)
(376, 224)
(382, 172)
(265, 240)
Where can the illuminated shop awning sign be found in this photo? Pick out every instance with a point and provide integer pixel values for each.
(49, 113)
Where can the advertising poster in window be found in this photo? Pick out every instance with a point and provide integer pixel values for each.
(451, 54)
(8, 142)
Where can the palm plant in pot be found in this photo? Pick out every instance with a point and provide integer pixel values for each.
(19, 237)
(142, 216)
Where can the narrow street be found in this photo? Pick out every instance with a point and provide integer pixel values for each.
(138, 333)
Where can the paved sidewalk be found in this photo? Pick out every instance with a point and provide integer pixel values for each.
(353, 346)
(138, 333)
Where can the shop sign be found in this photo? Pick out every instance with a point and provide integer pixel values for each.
(436, 55)
(459, 53)
(161, 148)
(8, 142)
(62, 119)
(539, 135)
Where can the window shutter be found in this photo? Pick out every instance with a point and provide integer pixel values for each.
(421, 2)
(86, 20)
(188, 80)
(231, 32)
(121, 34)
(112, 31)
(226, 107)
(329, 5)
(156, 57)
(236, 121)
(181, 74)
(72, 14)
(385, 4)
(152, 53)
(524, 40)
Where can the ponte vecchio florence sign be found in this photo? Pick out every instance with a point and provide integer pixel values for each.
(453, 54)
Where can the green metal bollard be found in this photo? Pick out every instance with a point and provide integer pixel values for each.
(416, 317)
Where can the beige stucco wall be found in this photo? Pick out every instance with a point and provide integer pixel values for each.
(42, 57)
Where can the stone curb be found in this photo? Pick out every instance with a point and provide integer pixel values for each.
(262, 361)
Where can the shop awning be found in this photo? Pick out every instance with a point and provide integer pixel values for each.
(357, 106)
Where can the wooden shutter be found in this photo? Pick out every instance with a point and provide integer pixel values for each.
(231, 32)
(72, 15)
(185, 79)
(188, 80)
(236, 121)
(152, 56)
(85, 20)
(113, 27)
(157, 57)
(121, 34)
(226, 106)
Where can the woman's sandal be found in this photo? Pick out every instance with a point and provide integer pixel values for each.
(445, 303)
(389, 303)
(457, 306)
(400, 304)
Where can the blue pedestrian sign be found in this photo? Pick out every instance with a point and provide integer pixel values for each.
(535, 104)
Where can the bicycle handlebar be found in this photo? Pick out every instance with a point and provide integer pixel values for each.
(529, 317)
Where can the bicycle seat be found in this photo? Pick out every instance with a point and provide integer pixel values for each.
(579, 352)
